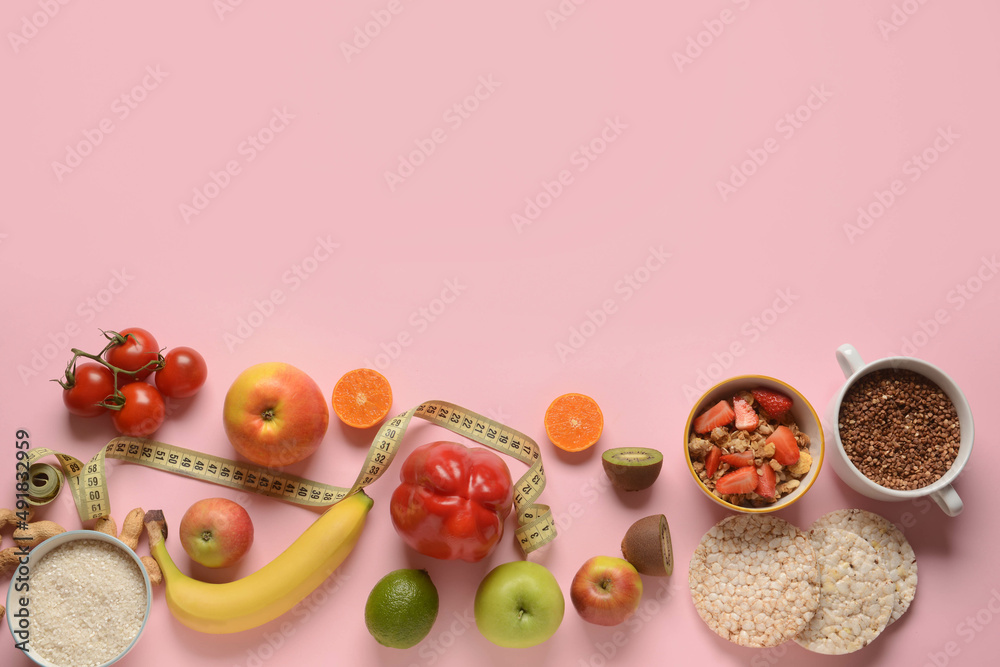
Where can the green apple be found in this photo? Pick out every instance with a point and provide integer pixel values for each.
(518, 605)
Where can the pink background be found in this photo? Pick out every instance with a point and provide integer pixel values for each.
(807, 112)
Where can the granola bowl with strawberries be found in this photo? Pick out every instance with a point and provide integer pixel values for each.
(753, 444)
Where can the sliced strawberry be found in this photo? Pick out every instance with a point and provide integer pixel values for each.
(740, 459)
(712, 461)
(786, 450)
(719, 414)
(766, 482)
(772, 402)
(746, 416)
(741, 480)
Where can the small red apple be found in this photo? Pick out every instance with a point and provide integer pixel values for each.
(275, 415)
(216, 532)
(606, 590)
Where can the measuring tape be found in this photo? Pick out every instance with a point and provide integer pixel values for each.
(89, 487)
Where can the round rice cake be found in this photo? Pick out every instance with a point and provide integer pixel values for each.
(894, 550)
(754, 580)
(856, 595)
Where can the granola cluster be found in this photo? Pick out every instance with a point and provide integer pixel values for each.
(732, 440)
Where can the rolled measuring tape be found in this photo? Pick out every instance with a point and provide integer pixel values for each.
(89, 487)
(44, 482)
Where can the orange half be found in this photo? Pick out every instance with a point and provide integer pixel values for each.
(574, 422)
(362, 398)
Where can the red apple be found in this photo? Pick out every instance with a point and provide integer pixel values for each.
(606, 590)
(275, 414)
(216, 532)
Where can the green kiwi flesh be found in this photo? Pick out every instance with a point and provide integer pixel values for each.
(632, 468)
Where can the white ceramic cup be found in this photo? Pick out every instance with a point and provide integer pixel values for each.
(941, 491)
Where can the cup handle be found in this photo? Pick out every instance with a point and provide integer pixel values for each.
(849, 359)
(948, 500)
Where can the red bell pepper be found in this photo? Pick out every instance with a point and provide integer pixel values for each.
(452, 501)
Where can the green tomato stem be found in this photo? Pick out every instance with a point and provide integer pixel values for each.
(117, 399)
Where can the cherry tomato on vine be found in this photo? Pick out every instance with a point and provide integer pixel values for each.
(139, 349)
(93, 383)
(184, 372)
(143, 411)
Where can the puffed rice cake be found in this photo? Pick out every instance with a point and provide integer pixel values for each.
(754, 580)
(894, 550)
(856, 595)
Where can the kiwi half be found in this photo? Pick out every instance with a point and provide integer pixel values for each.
(632, 468)
(647, 546)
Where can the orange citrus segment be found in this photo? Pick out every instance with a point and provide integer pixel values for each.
(362, 398)
(574, 422)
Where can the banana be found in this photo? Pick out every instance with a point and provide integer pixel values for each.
(273, 589)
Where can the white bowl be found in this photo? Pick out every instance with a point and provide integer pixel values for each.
(15, 609)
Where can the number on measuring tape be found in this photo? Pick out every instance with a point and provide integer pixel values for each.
(535, 524)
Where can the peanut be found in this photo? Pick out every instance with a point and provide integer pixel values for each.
(9, 560)
(10, 518)
(153, 568)
(36, 533)
(132, 528)
(7, 517)
(3, 611)
(106, 525)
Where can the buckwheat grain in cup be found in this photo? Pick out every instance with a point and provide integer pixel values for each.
(899, 429)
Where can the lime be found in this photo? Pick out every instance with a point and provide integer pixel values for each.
(402, 608)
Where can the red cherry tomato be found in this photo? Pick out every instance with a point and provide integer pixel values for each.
(143, 411)
(93, 383)
(139, 349)
(184, 371)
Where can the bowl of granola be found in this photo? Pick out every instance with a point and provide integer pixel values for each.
(753, 444)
